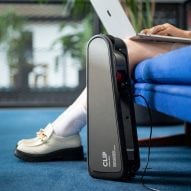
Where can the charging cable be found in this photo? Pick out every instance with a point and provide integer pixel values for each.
(149, 146)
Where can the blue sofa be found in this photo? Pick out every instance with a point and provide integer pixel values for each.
(165, 81)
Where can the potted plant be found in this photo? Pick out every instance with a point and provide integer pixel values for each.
(18, 45)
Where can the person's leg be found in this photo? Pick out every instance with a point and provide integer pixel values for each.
(68, 123)
(141, 50)
(73, 119)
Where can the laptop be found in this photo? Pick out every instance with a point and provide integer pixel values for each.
(116, 23)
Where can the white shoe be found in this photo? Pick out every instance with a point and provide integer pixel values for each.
(48, 147)
(31, 140)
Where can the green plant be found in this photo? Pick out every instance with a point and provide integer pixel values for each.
(140, 12)
(75, 42)
(16, 41)
(77, 8)
(11, 26)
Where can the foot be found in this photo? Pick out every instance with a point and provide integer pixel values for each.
(47, 146)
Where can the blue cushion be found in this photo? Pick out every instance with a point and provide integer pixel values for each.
(173, 67)
(174, 100)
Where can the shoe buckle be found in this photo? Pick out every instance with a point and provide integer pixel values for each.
(41, 135)
(44, 134)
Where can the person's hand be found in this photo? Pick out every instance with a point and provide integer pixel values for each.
(167, 30)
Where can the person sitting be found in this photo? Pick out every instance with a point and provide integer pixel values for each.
(60, 139)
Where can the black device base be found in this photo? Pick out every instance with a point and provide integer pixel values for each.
(113, 151)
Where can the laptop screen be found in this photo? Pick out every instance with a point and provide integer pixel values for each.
(113, 18)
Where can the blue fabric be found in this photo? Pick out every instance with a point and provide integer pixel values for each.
(174, 100)
(173, 67)
(169, 168)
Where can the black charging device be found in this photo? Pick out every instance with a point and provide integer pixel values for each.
(113, 151)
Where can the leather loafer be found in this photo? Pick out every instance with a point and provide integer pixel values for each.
(47, 146)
